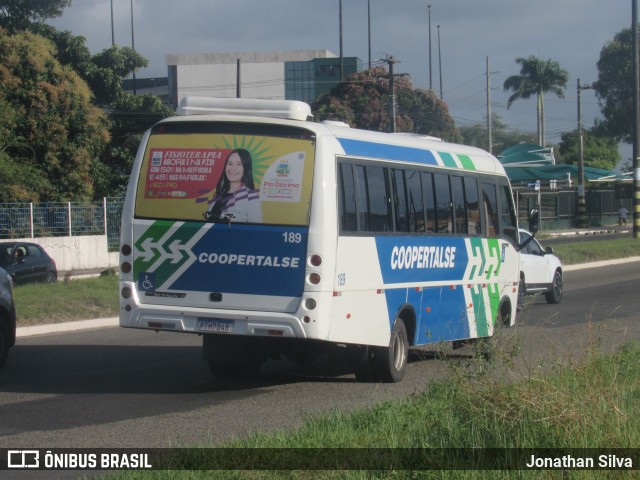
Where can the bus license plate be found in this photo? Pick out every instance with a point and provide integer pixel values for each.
(214, 325)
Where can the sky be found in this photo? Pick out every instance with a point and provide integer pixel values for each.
(571, 32)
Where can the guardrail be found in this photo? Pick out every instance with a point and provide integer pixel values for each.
(63, 219)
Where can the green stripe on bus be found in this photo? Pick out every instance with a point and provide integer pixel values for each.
(482, 327)
(448, 160)
(466, 161)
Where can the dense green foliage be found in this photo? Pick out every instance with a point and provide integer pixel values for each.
(614, 87)
(68, 130)
(598, 151)
(363, 99)
(55, 130)
(20, 14)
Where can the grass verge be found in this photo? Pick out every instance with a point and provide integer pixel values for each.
(80, 299)
(588, 405)
(592, 251)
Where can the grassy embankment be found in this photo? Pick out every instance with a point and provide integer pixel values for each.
(590, 405)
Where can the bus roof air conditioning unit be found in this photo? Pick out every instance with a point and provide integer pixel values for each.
(287, 109)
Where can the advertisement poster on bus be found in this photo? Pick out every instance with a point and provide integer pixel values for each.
(226, 178)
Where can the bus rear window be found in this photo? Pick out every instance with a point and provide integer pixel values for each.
(236, 177)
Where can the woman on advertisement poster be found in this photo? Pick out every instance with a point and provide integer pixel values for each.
(236, 198)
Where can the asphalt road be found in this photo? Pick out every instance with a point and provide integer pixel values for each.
(116, 387)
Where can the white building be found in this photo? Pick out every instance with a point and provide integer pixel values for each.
(260, 74)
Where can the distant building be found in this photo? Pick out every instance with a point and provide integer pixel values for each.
(293, 75)
(309, 80)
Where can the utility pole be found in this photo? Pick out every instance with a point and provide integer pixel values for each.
(582, 203)
(369, 30)
(341, 55)
(390, 59)
(238, 78)
(430, 76)
(440, 62)
(133, 47)
(636, 120)
(113, 36)
(489, 108)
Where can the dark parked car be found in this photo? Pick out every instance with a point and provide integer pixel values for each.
(27, 263)
(7, 316)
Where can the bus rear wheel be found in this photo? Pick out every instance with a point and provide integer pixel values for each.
(389, 364)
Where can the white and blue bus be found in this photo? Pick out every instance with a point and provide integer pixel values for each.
(270, 234)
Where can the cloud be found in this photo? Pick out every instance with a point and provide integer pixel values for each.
(572, 32)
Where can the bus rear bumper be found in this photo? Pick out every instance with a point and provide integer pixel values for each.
(225, 322)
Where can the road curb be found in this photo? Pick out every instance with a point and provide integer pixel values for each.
(603, 263)
(22, 332)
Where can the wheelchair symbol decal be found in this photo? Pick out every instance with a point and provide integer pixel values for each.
(147, 282)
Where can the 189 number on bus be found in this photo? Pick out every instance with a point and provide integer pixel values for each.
(292, 237)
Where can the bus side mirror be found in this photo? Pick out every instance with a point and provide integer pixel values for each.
(534, 221)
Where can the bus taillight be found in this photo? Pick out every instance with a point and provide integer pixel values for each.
(315, 260)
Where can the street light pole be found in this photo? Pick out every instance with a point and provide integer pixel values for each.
(636, 120)
(391, 61)
(341, 57)
(430, 76)
(440, 62)
(369, 30)
(113, 36)
(582, 203)
(133, 47)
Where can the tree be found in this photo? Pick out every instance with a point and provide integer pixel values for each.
(56, 132)
(598, 151)
(537, 77)
(429, 115)
(614, 87)
(130, 115)
(363, 102)
(18, 15)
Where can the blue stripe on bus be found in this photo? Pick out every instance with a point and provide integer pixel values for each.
(387, 152)
(246, 260)
(440, 312)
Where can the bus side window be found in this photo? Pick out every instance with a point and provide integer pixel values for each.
(362, 202)
(507, 214)
(490, 203)
(443, 203)
(348, 218)
(415, 202)
(473, 205)
(459, 205)
(378, 191)
(400, 201)
(429, 202)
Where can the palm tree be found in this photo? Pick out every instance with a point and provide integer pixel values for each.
(537, 77)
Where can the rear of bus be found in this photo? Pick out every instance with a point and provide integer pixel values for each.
(215, 230)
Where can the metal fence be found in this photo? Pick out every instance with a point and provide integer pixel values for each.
(560, 208)
(60, 219)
